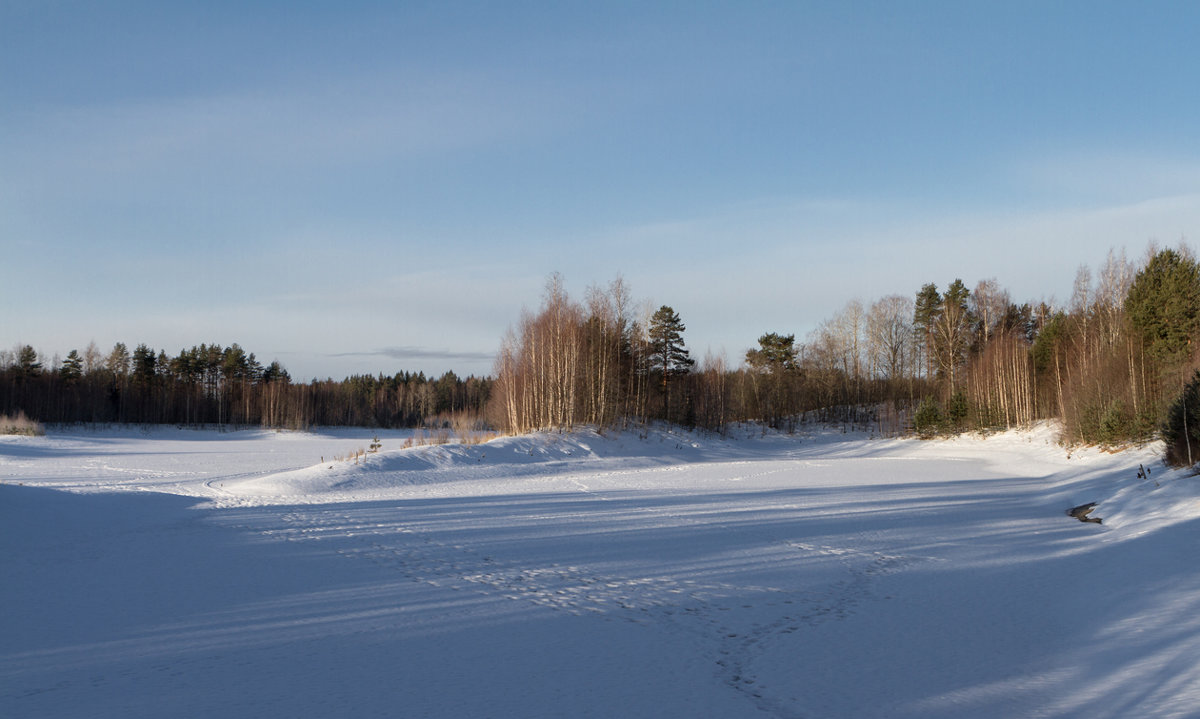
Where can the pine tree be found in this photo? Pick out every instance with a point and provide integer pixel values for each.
(668, 356)
(27, 365)
(925, 314)
(775, 361)
(275, 372)
(117, 361)
(953, 331)
(144, 363)
(775, 353)
(72, 368)
(667, 353)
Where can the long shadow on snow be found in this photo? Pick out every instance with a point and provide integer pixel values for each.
(774, 540)
(992, 561)
(1003, 564)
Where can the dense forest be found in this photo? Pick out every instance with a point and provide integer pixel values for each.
(211, 384)
(1112, 364)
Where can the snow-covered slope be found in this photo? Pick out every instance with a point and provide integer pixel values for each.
(663, 574)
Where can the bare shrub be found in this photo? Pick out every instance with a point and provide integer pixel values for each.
(20, 424)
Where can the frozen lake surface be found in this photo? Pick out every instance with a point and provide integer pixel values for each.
(251, 574)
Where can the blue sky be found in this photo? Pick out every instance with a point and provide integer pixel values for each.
(370, 187)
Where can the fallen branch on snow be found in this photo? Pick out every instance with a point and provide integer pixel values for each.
(1082, 511)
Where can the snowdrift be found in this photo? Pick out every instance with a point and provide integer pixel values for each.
(545, 454)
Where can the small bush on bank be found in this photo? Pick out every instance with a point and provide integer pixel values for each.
(928, 420)
(20, 424)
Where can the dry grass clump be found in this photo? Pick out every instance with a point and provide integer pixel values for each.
(353, 456)
(471, 430)
(460, 428)
(20, 424)
(422, 437)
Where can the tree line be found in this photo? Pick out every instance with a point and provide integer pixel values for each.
(611, 361)
(214, 385)
(1117, 362)
(1108, 364)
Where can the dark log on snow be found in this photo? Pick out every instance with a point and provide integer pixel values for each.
(1082, 511)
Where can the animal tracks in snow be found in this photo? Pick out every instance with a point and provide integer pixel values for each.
(732, 623)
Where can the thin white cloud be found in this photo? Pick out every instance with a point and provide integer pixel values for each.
(411, 353)
(1109, 176)
(344, 122)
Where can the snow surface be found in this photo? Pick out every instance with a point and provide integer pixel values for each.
(197, 573)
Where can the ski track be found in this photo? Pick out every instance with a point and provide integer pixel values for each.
(730, 624)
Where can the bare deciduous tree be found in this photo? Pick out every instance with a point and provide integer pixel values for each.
(890, 335)
(988, 304)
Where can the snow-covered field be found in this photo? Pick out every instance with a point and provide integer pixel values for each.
(203, 574)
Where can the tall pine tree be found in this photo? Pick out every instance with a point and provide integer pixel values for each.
(953, 332)
(667, 353)
(925, 314)
(668, 357)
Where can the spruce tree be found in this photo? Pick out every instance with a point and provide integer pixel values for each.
(1181, 431)
(1163, 306)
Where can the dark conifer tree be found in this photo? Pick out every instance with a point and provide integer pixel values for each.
(667, 352)
(27, 365)
(144, 361)
(72, 368)
(775, 353)
(953, 331)
(927, 308)
(775, 369)
(1164, 306)
(668, 356)
(1181, 430)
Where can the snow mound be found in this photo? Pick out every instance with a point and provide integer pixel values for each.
(1151, 501)
(525, 457)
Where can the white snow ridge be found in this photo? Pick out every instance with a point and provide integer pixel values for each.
(251, 574)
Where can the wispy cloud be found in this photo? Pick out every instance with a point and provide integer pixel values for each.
(410, 353)
(344, 122)
(1110, 175)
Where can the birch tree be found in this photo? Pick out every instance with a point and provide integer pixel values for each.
(890, 334)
